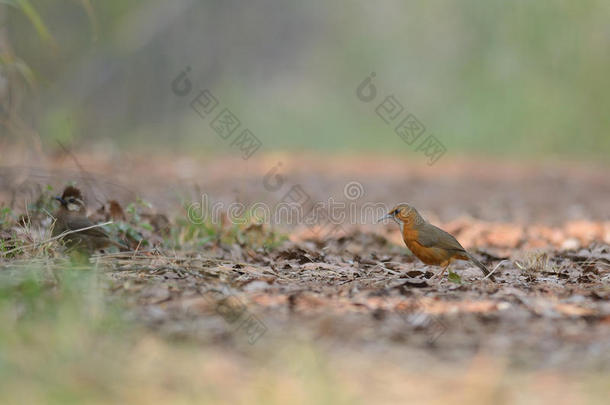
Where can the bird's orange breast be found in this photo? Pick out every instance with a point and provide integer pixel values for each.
(429, 255)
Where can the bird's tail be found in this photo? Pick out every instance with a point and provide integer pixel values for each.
(480, 266)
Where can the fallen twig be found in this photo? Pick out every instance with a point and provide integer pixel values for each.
(495, 268)
(61, 235)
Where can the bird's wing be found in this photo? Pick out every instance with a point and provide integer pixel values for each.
(76, 223)
(431, 236)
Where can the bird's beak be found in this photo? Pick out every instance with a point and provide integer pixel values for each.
(386, 216)
(61, 200)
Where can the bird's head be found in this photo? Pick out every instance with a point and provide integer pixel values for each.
(72, 200)
(404, 214)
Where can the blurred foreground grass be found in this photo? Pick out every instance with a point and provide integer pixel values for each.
(65, 340)
(62, 341)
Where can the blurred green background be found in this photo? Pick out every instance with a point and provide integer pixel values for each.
(516, 79)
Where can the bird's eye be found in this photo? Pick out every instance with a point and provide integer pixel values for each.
(395, 212)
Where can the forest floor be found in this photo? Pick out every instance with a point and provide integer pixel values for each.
(206, 309)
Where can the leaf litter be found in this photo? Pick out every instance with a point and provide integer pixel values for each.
(361, 290)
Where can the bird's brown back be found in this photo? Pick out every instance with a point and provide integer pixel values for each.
(429, 243)
(93, 238)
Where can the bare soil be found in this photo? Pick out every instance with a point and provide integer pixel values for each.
(360, 290)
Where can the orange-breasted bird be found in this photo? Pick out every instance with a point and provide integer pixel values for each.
(72, 216)
(427, 242)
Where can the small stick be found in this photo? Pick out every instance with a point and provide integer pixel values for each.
(137, 248)
(61, 235)
(495, 268)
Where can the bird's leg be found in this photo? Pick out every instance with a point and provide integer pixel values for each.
(440, 274)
